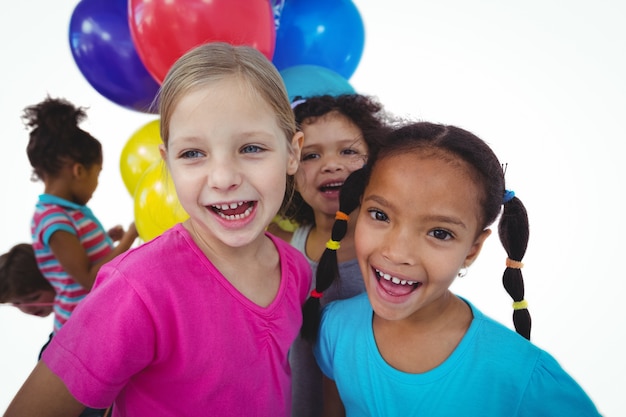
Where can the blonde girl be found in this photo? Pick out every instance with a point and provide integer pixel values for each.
(199, 320)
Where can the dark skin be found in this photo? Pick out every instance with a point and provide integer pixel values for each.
(43, 390)
(76, 183)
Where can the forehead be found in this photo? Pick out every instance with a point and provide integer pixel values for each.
(332, 126)
(230, 101)
(422, 182)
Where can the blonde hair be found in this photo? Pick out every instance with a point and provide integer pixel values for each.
(215, 61)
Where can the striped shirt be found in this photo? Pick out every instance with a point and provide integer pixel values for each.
(51, 215)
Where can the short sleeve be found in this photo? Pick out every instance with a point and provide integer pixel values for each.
(53, 221)
(109, 338)
(552, 391)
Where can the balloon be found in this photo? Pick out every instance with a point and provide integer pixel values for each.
(163, 30)
(277, 8)
(103, 50)
(156, 204)
(311, 80)
(327, 33)
(141, 151)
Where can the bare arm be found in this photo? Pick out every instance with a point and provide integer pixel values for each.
(333, 407)
(43, 395)
(73, 258)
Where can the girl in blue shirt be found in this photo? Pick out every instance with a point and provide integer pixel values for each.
(410, 347)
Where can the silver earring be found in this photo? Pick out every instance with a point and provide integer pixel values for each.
(462, 272)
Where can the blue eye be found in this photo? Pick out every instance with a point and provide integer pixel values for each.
(251, 149)
(192, 154)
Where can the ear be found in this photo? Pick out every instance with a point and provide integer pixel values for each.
(78, 170)
(294, 153)
(476, 247)
(163, 152)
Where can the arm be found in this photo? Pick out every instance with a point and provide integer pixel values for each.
(333, 407)
(43, 395)
(73, 257)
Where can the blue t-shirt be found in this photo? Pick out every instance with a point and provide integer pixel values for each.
(492, 372)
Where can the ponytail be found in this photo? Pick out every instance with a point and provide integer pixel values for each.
(328, 267)
(513, 231)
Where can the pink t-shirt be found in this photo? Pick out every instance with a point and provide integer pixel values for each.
(163, 333)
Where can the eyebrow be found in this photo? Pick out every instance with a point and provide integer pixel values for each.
(433, 218)
(347, 141)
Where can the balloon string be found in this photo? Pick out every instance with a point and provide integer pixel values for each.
(27, 305)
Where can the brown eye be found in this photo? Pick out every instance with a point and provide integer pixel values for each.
(378, 215)
(441, 234)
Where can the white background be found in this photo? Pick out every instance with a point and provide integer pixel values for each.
(543, 81)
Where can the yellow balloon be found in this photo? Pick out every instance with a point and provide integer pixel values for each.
(156, 204)
(141, 151)
(285, 224)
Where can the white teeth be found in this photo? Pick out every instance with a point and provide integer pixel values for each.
(236, 216)
(227, 206)
(332, 184)
(231, 206)
(395, 280)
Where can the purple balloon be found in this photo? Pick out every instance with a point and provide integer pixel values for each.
(102, 46)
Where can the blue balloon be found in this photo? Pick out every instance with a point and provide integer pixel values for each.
(311, 80)
(326, 33)
(102, 47)
(277, 8)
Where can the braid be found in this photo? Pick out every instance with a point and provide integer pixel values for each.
(513, 231)
(328, 268)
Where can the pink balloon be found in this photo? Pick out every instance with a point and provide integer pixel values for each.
(163, 30)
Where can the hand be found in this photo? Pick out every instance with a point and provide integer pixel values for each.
(132, 232)
(116, 233)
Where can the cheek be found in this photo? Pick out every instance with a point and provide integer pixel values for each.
(363, 241)
(356, 163)
(47, 297)
(301, 178)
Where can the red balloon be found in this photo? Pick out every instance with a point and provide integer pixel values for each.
(163, 30)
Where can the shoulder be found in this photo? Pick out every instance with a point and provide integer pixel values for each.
(552, 391)
(290, 257)
(343, 321)
(355, 307)
(174, 247)
(493, 333)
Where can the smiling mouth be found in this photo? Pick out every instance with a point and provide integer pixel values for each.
(332, 186)
(233, 211)
(394, 285)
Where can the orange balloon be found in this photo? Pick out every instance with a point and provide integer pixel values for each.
(141, 151)
(156, 204)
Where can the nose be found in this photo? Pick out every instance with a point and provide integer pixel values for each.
(224, 174)
(401, 247)
(332, 164)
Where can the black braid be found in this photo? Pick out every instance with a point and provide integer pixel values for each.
(514, 231)
(328, 268)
